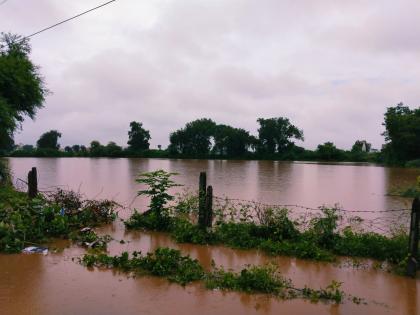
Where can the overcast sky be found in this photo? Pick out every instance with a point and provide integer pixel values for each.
(332, 67)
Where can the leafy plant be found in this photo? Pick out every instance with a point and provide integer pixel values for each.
(163, 262)
(158, 183)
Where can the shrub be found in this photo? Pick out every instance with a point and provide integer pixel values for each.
(163, 262)
(253, 279)
(24, 220)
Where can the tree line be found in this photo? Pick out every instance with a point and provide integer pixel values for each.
(201, 138)
(204, 138)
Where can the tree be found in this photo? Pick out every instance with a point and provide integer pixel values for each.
(275, 134)
(68, 149)
(96, 148)
(22, 89)
(402, 133)
(361, 146)
(76, 148)
(328, 151)
(138, 137)
(49, 140)
(113, 150)
(231, 141)
(194, 139)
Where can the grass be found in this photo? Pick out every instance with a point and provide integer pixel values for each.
(170, 264)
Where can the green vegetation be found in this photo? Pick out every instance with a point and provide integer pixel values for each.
(158, 216)
(164, 262)
(203, 138)
(61, 214)
(170, 264)
(138, 137)
(4, 173)
(402, 134)
(408, 192)
(49, 140)
(271, 230)
(22, 89)
(275, 134)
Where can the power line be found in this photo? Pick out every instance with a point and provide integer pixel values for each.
(69, 19)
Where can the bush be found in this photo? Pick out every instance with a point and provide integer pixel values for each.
(186, 232)
(26, 221)
(373, 245)
(254, 279)
(413, 163)
(150, 221)
(163, 262)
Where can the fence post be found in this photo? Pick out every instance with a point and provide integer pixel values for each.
(32, 183)
(209, 207)
(202, 200)
(413, 242)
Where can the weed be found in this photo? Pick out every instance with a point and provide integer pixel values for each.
(163, 262)
(170, 264)
(24, 220)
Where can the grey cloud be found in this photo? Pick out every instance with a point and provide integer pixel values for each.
(331, 67)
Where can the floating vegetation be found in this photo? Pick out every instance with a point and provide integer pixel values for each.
(170, 264)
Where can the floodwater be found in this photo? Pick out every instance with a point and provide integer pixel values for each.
(55, 284)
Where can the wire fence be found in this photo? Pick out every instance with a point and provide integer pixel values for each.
(381, 221)
(385, 222)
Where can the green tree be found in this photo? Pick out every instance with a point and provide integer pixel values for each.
(113, 150)
(138, 137)
(194, 139)
(402, 133)
(76, 148)
(22, 89)
(329, 152)
(96, 148)
(361, 146)
(49, 140)
(276, 134)
(231, 141)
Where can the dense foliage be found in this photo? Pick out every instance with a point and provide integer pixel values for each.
(402, 133)
(138, 137)
(22, 89)
(275, 135)
(62, 214)
(49, 140)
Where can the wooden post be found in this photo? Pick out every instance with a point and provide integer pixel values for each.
(413, 242)
(209, 207)
(32, 183)
(202, 200)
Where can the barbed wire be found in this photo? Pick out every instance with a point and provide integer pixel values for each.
(235, 209)
(306, 207)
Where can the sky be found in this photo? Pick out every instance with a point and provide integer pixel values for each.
(332, 67)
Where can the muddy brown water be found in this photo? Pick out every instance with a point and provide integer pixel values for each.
(55, 284)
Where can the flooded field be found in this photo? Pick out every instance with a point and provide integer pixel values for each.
(55, 284)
